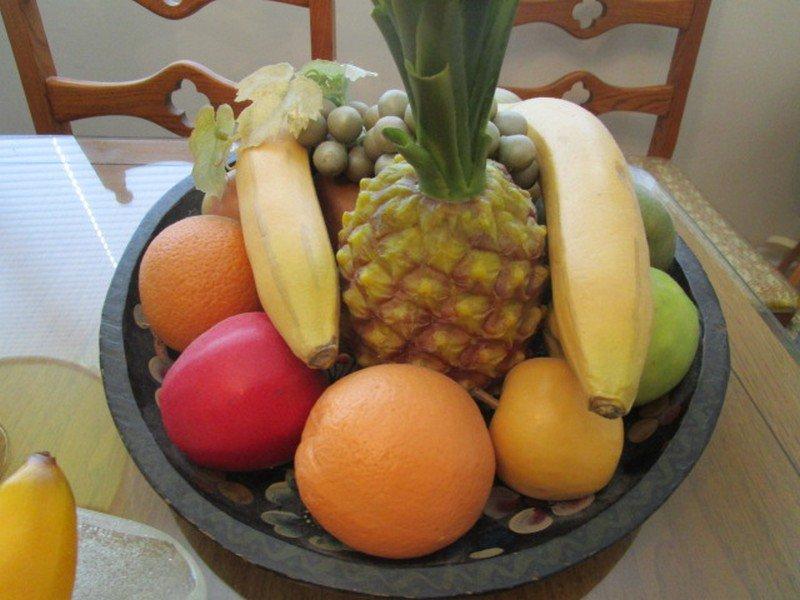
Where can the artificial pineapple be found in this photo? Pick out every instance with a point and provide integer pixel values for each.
(442, 256)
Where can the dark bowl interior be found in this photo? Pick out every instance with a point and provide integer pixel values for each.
(259, 516)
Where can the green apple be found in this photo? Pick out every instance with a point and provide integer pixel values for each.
(673, 341)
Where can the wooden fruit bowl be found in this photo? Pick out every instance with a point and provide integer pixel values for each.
(259, 515)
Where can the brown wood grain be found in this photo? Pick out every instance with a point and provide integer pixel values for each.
(730, 531)
(55, 101)
(147, 98)
(322, 18)
(185, 8)
(669, 13)
(173, 10)
(681, 69)
(34, 60)
(668, 100)
(603, 97)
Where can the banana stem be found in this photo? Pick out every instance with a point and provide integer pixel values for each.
(324, 356)
(610, 408)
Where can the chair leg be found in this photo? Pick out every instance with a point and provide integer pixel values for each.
(34, 61)
(323, 28)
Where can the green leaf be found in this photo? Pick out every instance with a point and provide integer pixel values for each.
(333, 78)
(210, 144)
(281, 102)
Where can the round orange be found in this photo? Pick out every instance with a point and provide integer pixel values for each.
(194, 274)
(395, 461)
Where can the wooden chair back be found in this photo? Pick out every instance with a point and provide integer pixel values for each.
(55, 101)
(667, 100)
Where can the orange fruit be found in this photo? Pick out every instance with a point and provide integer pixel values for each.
(549, 445)
(194, 274)
(395, 461)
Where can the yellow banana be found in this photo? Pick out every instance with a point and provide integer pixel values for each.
(38, 533)
(598, 251)
(289, 249)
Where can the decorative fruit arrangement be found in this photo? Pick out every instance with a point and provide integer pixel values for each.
(446, 270)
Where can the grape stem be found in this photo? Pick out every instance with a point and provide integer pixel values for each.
(485, 398)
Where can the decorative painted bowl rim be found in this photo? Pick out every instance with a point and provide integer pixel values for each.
(384, 579)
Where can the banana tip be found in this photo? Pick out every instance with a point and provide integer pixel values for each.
(43, 456)
(324, 356)
(607, 407)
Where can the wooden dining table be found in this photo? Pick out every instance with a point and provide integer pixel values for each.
(68, 207)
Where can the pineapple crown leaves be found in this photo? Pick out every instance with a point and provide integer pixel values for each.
(334, 78)
(282, 101)
(449, 54)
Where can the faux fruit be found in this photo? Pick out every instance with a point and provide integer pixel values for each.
(597, 250)
(357, 129)
(658, 226)
(289, 249)
(393, 102)
(674, 341)
(516, 151)
(330, 158)
(345, 124)
(395, 461)
(39, 532)
(504, 96)
(284, 230)
(442, 257)
(549, 445)
(314, 132)
(237, 398)
(194, 274)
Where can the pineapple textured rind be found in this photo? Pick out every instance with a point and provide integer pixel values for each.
(452, 286)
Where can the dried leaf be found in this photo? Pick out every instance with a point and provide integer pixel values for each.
(281, 102)
(210, 143)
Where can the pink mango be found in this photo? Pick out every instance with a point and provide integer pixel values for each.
(237, 398)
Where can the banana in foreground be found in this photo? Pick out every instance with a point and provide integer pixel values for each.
(38, 536)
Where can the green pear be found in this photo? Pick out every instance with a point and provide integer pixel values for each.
(658, 224)
(673, 341)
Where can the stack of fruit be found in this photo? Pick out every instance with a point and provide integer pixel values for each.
(442, 264)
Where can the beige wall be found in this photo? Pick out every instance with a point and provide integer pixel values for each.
(741, 131)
